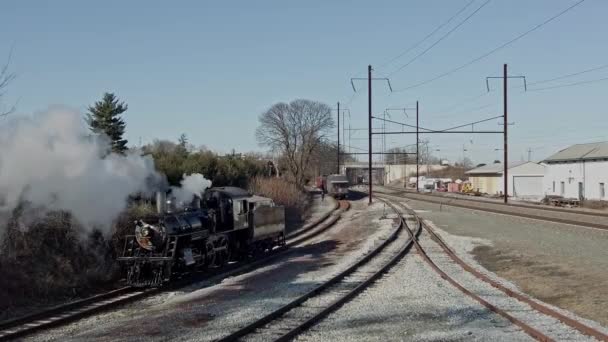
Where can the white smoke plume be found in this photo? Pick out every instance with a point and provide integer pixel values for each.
(53, 162)
(194, 184)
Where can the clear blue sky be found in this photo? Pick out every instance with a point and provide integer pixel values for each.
(208, 69)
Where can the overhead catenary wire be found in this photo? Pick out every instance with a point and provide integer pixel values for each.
(439, 40)
(382, 65)
(494, 50)
(569, 75)
(571, 84)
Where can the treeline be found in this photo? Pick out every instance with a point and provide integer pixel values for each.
(176, 159)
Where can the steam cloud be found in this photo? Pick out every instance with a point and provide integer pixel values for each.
(194, 184)
(51, 161)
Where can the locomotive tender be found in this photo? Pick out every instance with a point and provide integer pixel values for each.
(227, 223)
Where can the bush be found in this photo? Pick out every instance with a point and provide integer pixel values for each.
(282, 192)
(54, 259)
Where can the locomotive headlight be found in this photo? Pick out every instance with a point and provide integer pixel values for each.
(145, 232)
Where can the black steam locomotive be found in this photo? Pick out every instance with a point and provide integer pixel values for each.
(226, 224)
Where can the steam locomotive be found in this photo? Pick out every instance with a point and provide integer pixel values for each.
(226, 223)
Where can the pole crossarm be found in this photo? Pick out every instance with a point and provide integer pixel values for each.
(447, 130)
(502, 78)
(472, 123)
(380, 153)
(352, 83)
(399, 123)
(441, 132)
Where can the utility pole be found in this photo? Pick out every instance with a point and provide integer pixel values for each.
(338, 137)
(417, 151)
(369, 125)
(506, 155)
(529, 154)
(369, 118)
(506, 126)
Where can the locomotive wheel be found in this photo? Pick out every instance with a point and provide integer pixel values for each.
(222, 250)
(210, 255)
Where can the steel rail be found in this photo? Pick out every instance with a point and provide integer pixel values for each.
(322, 289)
(581, 327)
(538, 335)
(542, 308)
(451, 202)
(79, 309)
(515, 205)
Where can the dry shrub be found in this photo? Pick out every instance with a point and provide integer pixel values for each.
(282, 192)
(54, 259)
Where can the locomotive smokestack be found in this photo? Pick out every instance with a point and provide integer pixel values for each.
(161, 202)
(196, 202)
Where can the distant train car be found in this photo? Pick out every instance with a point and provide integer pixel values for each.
(337, 186)
(226, 224)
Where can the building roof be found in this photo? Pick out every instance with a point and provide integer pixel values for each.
(576, 152)
(493, 168)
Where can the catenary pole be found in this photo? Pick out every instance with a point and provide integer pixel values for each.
(338, 138)
(417, 150)
(505, 166)
(369, 125)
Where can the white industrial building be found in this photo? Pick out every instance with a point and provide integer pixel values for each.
(579, 171)
(525, 179)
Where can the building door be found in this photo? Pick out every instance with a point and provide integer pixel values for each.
(527, 186)
(562, 188)
(581, 191)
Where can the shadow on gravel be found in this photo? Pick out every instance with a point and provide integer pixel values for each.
(191, 309)
(354, 195)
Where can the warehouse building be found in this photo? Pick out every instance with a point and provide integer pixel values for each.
(579, 171)
(525, 179)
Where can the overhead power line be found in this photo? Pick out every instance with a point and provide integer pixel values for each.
(570, 75)
(475, 60)
(571, 84)
(440, 39)
(427, 36)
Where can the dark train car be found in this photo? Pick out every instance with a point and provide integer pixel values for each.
(226, 224)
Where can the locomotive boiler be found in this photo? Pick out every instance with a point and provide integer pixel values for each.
(226, 224)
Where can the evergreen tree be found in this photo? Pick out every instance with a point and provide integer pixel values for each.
(182, 147)
(104, 117)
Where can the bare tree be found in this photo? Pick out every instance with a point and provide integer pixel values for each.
(6, 77)
(296, 129)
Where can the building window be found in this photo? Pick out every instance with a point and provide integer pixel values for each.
(602, 190)
(553, 186)
(562, 189)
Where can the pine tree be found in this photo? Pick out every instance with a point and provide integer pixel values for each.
(104, 117)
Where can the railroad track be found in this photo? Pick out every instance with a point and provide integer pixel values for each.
(400, 191)
(584, 219)
(79, 309)
(536, 331)
(305, 311)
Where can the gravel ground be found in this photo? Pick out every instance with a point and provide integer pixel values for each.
(462, 246)
(312, 306)
(208, 313)
(412, 303)
(558, 264)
